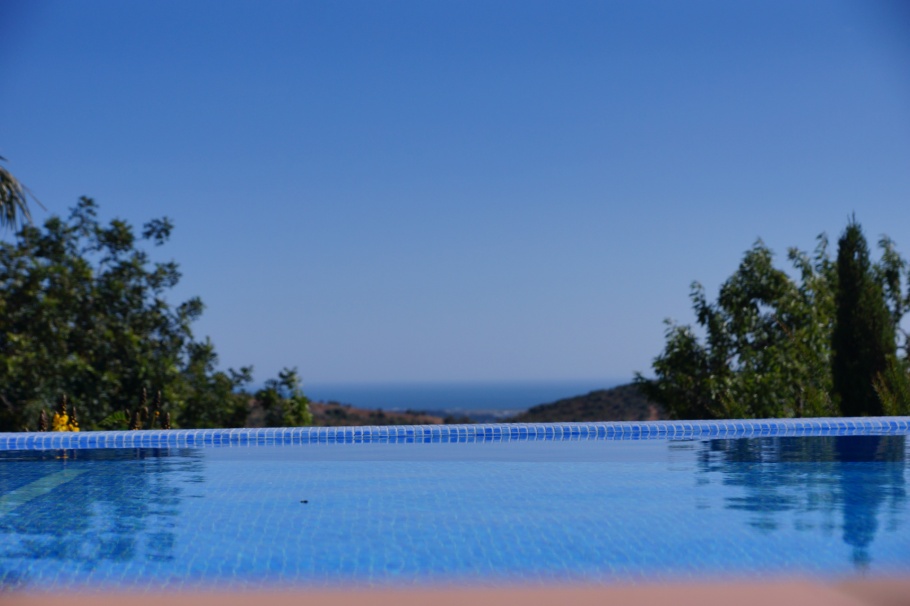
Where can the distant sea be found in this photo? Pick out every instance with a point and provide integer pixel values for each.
(482, 400)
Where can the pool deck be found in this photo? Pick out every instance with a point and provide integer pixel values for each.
(855, 592)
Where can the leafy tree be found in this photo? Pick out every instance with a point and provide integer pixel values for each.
(212, 398)
(283, 401)
(864, 349)
(768, 345)
(83, 312)
(893, 387)
(765, 350)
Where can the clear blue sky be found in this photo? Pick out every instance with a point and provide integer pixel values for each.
(461, 190)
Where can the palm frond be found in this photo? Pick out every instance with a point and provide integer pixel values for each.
(13, 200)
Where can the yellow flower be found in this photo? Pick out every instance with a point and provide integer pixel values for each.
(61, 422)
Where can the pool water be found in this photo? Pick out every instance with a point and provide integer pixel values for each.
(500, 512)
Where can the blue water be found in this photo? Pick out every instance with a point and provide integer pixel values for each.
(490, 513)
(491, 396)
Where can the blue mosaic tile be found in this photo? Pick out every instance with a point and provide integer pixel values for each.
(455, 433)
(738, 506)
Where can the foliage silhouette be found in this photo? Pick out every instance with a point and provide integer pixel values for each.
(769, 339)
(863, 337)
(84, 312)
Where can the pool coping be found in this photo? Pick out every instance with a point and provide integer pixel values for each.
(490, 432)
(781, 592)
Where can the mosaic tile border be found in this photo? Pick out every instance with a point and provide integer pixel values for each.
(500, 432)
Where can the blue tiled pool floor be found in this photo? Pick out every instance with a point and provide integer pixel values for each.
(500, 511)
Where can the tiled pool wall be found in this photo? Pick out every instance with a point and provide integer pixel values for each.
(499, 432)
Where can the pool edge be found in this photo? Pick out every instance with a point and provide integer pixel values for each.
(494, 432)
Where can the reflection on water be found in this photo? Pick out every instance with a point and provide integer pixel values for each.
(858, 477)
(119, 505)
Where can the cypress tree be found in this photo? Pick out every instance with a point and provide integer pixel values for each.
(863, 336)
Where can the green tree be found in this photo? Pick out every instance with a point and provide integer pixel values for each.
(769, 340)
(83, 311)
(893, 385)
(864, 331)
(210, 398)
(283, 402)
(766, 350)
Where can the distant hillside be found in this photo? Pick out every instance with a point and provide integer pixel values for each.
(327, 414)
(622, 403)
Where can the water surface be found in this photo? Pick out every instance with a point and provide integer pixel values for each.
(490, 513)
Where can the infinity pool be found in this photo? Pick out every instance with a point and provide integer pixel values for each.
(483, 511)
